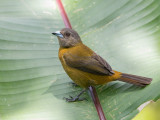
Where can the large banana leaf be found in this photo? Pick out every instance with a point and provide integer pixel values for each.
(32, 82)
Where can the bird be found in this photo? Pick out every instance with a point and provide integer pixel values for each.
(85, 67)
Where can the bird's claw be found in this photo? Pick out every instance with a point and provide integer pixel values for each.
(71, 97)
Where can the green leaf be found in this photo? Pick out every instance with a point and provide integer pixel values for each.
(32, 80)
(149, 111)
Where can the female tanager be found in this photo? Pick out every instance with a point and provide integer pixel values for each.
(85, 67)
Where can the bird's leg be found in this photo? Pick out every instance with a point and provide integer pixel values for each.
(74, 84)
(71, 99)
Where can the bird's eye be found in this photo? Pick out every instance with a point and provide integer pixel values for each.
(67, 34)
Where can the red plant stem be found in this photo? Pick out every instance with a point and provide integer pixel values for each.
(63, 14)
(97, 104)
(92, 90)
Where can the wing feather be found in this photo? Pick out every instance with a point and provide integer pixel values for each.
(92, 64)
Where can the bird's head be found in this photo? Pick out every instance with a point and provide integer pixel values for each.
(67, 37)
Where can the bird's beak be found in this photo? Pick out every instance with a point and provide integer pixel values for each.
(58, 34)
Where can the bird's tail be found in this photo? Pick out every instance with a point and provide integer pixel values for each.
(134, 79)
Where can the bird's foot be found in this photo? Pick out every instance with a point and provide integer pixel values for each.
(71, 99)
(77, 98)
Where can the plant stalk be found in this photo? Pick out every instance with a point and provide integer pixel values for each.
(63, 14)
(97, 103)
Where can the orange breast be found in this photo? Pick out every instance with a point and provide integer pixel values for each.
(84, 79)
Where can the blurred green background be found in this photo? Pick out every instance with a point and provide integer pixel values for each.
(32, 82)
